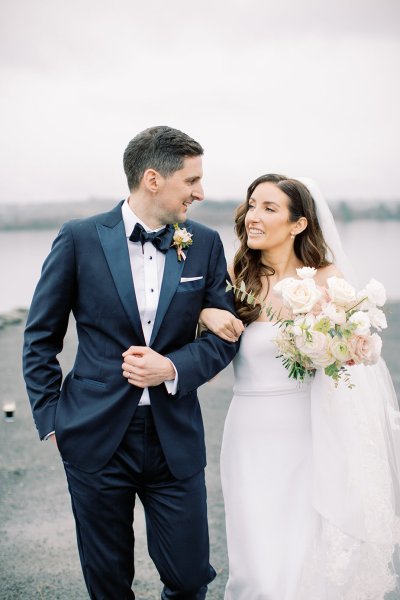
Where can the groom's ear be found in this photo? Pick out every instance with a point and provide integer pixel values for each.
(151, 180)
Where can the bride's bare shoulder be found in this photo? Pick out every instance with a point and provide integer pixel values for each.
(325, 272)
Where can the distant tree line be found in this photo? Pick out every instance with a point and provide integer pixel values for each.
(377, 211)
(213, 213)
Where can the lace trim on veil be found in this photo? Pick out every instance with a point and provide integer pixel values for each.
(356, 456)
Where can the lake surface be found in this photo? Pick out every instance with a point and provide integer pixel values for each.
(374, 247)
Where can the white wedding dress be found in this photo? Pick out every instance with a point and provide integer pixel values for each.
(310, 477)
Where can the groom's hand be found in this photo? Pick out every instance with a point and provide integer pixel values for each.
(144, 367)
(53, 438)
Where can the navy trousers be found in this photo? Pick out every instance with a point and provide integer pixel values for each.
(176, 519)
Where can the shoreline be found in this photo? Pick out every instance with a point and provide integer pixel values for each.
(13, 317)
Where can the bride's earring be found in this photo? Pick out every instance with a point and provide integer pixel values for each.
(292, 236)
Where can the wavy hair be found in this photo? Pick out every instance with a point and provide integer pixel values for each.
(309, 245)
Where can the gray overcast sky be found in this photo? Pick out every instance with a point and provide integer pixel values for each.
(301, 87)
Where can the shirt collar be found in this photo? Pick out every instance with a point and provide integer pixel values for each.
(130, 220)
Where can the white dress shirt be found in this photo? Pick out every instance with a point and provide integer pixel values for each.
(147, 266)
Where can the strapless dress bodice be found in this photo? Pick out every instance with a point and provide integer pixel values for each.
(258, 370)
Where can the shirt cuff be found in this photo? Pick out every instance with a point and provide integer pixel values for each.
(172, 384)
(46, 437)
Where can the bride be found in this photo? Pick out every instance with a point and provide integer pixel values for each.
(310, 472)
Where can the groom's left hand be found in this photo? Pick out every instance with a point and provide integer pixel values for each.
(144, 367)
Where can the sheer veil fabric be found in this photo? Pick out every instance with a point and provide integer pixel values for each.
(356, 471)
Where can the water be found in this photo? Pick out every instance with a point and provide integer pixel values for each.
(373, 247)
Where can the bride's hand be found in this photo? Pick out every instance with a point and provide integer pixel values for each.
(223, 323)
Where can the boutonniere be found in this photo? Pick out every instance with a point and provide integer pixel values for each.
(181, 239)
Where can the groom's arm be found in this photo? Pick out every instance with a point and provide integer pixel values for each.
(200, 360)
(196, 362)
(45, 330)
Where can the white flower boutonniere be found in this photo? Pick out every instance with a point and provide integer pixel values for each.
(182, 239)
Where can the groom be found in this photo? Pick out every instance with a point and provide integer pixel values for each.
(136, 287)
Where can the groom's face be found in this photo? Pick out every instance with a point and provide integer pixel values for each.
(177, 192)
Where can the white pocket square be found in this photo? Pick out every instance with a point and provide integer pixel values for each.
(186, 279)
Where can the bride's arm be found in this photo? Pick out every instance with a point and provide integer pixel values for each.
(222, 322)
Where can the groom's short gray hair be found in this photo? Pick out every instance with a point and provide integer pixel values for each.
(160, 148)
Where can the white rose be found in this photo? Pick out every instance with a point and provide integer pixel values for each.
(362, 322)
(315, 348)
(376, 292)
(306, 272)
(334, 313)
(340, 291)
(324, 360)
(375, 347)
(377, 318)
(300, 295)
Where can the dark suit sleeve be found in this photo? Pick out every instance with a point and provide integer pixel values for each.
(45, 330)
(200, 360)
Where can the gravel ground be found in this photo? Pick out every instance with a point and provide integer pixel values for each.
(38, 555)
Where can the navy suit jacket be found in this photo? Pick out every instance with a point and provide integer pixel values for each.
(88, 272)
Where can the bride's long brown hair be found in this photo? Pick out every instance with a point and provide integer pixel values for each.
(309, 245)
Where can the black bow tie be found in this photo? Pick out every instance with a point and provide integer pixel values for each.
(160, 239)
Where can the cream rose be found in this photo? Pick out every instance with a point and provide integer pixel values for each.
(182, 236)
(362, 322)
(324, 360)
(306, 272)
(315, 348)
(298, 295)
(340, 291)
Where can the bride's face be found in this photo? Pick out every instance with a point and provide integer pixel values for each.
(267, 219)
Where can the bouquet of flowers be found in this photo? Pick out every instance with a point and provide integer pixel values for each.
(327, 328)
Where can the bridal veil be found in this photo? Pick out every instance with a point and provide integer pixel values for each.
(356, 471)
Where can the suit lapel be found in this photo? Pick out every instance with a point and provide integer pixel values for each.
(113, 240)
(172, 274)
